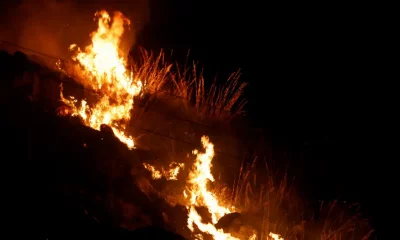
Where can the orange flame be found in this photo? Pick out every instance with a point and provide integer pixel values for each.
(105, 71)
(199, 195)
(199, 178)
(170, 174)
(274, 236)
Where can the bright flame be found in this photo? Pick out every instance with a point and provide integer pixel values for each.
(105, 71)
(274, 236)
(170, 174)
(199, 195)
(199, 178)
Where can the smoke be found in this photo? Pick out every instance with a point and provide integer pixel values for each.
(50, 26)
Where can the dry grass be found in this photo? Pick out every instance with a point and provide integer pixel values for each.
(176, 102)
(271, 201)
(275, 207)
(186, 83)
(152, 70)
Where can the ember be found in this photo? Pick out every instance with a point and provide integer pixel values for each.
(170, 174)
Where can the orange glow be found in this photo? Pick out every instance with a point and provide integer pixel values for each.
(274, 236)
(199, 177)
(170, 174)
(104, 70)
(198, 194)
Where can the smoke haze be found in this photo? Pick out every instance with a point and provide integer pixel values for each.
(50, 26)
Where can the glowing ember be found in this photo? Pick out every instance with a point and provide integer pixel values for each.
(104, 70)
(274, 236)
(170, 174)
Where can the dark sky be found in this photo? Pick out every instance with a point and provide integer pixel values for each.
(311, 69)
(299, 58)
(307, 65)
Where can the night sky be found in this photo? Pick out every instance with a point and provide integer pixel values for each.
(309, 67)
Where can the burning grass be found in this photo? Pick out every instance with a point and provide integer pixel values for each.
(269, 200)
(273, 206)
(136, 94)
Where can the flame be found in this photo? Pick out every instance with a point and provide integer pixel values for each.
(274, 236)
(105, 72)
(198, 180)
(199, 195)
(171, 174)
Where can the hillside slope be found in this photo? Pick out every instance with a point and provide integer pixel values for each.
(67, 180)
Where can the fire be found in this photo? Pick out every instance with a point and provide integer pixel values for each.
(274, 236)
(105, 71)
(170, 174)
(197, 191)
(199, 195)
(199, 177)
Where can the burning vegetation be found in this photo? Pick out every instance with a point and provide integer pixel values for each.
(119, 91)
(105, 71)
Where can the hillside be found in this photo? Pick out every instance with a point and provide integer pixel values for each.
(87, 183)
(78, 179)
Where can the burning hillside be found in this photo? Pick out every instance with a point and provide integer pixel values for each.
(170, 186)
(105, 71)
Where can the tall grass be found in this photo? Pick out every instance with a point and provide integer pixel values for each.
(270, 200)
(275, 207)
(177, 102)
(218, 102)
